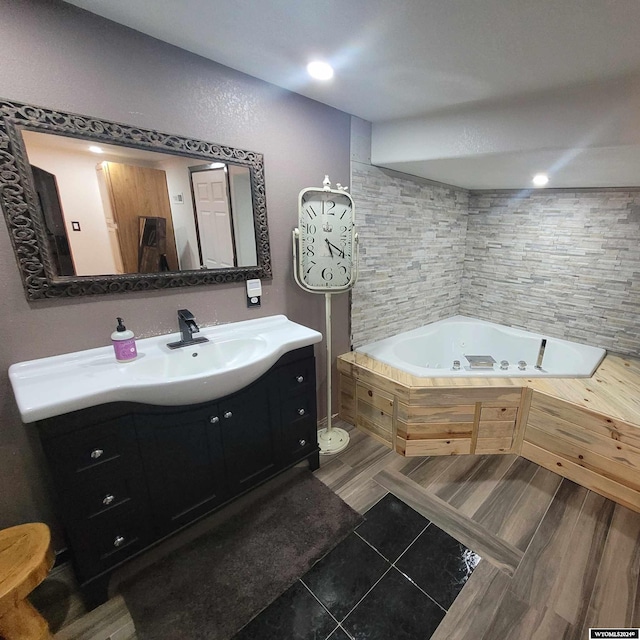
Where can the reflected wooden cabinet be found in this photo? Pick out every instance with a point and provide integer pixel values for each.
(131, 193)
(127, 475)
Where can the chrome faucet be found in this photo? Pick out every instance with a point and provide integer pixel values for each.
(543, 346)
(187, 325)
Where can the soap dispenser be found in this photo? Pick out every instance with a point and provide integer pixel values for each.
(124, 343)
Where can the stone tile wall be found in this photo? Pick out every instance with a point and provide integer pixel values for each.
(561, 262)
(412, 245)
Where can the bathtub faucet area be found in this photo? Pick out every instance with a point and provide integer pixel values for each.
(543, 346)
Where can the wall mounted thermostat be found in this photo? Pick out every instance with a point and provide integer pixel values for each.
(254, 291)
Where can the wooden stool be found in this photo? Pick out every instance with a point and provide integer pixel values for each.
(26, 557)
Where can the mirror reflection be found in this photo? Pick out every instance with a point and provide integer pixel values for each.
(113, 210)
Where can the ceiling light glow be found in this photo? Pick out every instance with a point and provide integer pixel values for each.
(320, 70)
(95, 149)
(540, 179)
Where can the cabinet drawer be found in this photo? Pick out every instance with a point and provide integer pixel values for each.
(298, 406)
(103, 448)
(297, 376)
(105, 541)
(106, 495)
(300, 437)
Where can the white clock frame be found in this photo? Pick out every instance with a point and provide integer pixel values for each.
(331, 439)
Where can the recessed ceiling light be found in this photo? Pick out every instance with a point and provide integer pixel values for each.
(320, 70)
(95, 149)
(540, 179)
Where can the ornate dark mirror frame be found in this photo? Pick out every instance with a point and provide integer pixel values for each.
(26, 222)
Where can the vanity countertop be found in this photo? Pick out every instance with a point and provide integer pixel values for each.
(236, 355)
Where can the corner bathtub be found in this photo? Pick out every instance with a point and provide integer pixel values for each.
(430, 351)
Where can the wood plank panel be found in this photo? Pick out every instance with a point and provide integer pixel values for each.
(605, 425)
(582, 455)
(489, 396)
(373, 378)
(504, 556)
(139, 191)
(434, 430)
(604, 486)
(375, 397)
(494, 445)
(374, 430)
(437, 447)
(496, 429)
(498, 413)
(347, 398)
(521, 420)
(374, 412)
(437, 414)
(613, 450)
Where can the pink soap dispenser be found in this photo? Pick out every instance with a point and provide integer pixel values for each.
(124, 343)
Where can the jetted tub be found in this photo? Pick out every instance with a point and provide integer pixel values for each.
(430, 351)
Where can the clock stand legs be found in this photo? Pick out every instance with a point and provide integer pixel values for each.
(331, 440)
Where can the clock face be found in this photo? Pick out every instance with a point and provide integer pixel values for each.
(326, 239)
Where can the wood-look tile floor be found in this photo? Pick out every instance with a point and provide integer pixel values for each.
(557, 558)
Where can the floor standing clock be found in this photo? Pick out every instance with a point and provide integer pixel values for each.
(325, 253)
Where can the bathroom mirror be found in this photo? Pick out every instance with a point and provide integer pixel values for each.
(95, 207)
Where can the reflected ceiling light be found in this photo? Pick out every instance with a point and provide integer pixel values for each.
(95, 149)
(320, 70)
(217, 165)
(540, 179)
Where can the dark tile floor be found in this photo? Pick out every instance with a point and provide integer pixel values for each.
(394, 578)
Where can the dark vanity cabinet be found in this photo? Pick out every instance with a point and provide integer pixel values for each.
(127, 475)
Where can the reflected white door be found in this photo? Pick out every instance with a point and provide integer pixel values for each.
(214, 218)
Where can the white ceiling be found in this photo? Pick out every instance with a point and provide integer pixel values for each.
(477, 93)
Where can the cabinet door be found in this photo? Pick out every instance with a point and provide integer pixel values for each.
(183, 459)
(248, 436)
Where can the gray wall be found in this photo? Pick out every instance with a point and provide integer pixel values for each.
(412, 243)
(562, 262)
(58, 56)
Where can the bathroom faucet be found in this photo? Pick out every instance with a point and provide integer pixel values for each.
(187, 325)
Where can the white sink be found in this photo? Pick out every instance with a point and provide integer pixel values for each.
(236, 354)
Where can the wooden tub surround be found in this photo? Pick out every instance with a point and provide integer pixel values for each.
(585, 429)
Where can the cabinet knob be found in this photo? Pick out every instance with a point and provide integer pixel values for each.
(96, 453)
(227, 414)
(108, 499)
(300, 378)
(118, 541)
(302, 442)
(214, 419)
(301, 412)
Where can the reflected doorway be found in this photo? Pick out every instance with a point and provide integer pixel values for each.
(213, 217)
